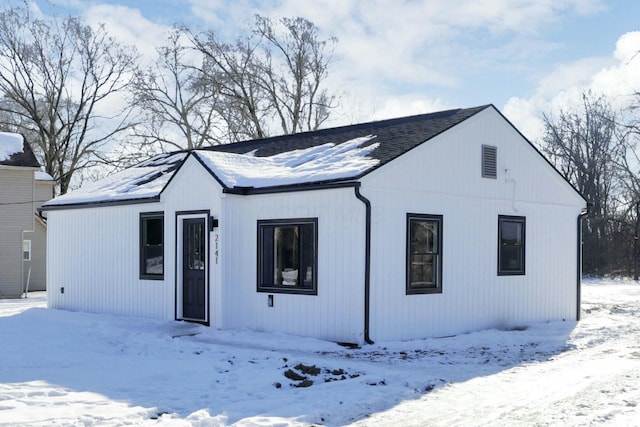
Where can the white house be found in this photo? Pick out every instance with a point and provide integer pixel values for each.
(421, 226)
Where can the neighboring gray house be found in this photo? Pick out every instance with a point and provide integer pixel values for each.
(23, 189)
(421, 226)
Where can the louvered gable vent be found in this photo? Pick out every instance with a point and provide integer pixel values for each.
(489, 161)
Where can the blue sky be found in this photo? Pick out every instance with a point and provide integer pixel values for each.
(400, 57)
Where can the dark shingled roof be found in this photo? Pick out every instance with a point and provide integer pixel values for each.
(24, 158)
(395, 136)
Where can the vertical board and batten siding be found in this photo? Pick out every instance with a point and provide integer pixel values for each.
(194, 189)
(94, 253)
(443, 176)
(337, 312)
(16, 215)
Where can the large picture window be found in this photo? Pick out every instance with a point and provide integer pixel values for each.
(287, 256)
(152, 245)
(424, 254)
(511, 245)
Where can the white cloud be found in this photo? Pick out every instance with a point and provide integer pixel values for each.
(127, 26)
(408, 105)
(416, 47)
(616, 77)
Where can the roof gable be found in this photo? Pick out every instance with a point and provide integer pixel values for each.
(394, 136)
(141, 182)
(330, 155)
(15, 151)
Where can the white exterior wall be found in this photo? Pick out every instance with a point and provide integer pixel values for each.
(337, 312)
(94, 253)
(194, 189)
(443, 176)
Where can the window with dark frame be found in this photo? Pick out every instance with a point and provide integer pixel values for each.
(424, 254)
(287, 256)
(152, 245)
(511, 245)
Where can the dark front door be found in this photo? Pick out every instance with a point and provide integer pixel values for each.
(193, 269)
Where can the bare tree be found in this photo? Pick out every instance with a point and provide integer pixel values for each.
(583, 146)
(179, 111)
(59, 81)
(232, 69)
(293, 68)
(272, 77)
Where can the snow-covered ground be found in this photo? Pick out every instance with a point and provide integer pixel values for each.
(66, 368)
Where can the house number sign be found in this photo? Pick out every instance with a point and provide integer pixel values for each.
(217, 240)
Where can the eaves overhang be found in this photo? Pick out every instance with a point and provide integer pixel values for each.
(99, 204)
(314, 186)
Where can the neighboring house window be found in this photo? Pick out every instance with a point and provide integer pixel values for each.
(287, 256)
(489, 161)
(511, 245)
(424, 254)
(152, 245)
(26, 250)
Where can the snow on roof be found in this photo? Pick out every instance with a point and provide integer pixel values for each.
(144, 180)
(43, 176)
(315, 164)
(321, 163)
(10, 143)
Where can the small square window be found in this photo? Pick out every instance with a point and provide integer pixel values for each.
(287, 260)
(26, 250)
(511, 245)
(152, 245)
(424, 254)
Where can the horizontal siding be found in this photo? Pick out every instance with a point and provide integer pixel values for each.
(443, 177)
(38, 263)
(16, 195)
(16, 215)
(10, 263)
(43, 192)
(337, 312)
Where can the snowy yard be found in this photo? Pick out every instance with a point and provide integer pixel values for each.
(65, 368)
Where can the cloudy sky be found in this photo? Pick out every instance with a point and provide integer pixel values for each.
(401, 57)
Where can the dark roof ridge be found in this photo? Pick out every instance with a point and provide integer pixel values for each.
(383, 123)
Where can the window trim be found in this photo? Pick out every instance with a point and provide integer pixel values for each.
(260, 287)
(438, 219)
(521, 220)
(145, 216)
